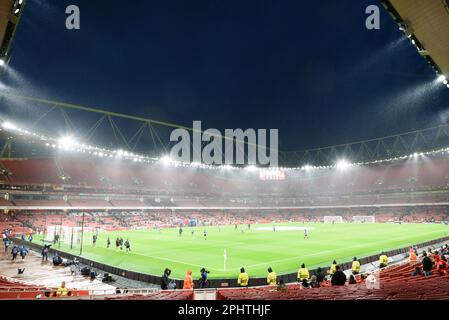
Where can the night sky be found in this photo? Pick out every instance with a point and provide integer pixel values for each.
(309, 68)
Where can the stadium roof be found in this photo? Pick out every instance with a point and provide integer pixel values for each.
(10, 13)
(427, 23)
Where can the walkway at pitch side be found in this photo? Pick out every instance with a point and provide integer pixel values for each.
(46, 274)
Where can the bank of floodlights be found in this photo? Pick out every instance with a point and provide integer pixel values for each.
(72, 144)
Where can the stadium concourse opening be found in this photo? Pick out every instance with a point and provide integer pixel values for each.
(93, 207)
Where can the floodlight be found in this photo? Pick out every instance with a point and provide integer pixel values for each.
(307, 167)
(2, 62)
(165, 160)
(17, 11)
(67, 142)
(8, 125)
(342, 164)
(251, 168)
(441, 78)
(415, 155)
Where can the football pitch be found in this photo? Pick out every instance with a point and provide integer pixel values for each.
(256, 249)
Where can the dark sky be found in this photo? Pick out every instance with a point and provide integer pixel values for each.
(309, 68)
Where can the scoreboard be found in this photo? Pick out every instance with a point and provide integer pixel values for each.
(272, 174)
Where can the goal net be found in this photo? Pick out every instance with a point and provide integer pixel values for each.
(67, 235)
(333, 219)
(364, 219)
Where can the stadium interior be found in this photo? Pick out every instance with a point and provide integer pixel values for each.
(59, 195)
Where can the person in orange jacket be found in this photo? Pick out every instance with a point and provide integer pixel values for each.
(436, 260)
(188, 282)
(412, 255)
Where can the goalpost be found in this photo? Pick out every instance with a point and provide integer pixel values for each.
(333, 219)
(67, 235)
(364, 219)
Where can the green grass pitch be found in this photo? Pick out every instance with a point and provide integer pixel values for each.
(254, 249)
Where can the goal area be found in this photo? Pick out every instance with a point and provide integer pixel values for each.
(364, 219)
(67, 235)
(333, 219)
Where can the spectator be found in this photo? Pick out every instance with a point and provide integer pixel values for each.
(352, 279)
(281, 286)
(304, 283)
(30, 238)
(188, 281)
(441, 270)
(383, 260)
(355, 266)
(443, 263)
(314, 282)
(303, 273)
(412, 255)
(320, 276)
(73, 269)
(203, 279)
(62, 290)
(436, 259)
(243, 278)
(271, 278)
(165, 279)
(45, 250)
(427, 264)
(423, 254)
(338, 277)
(417, 272)
(362, 278)
(370, 281)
